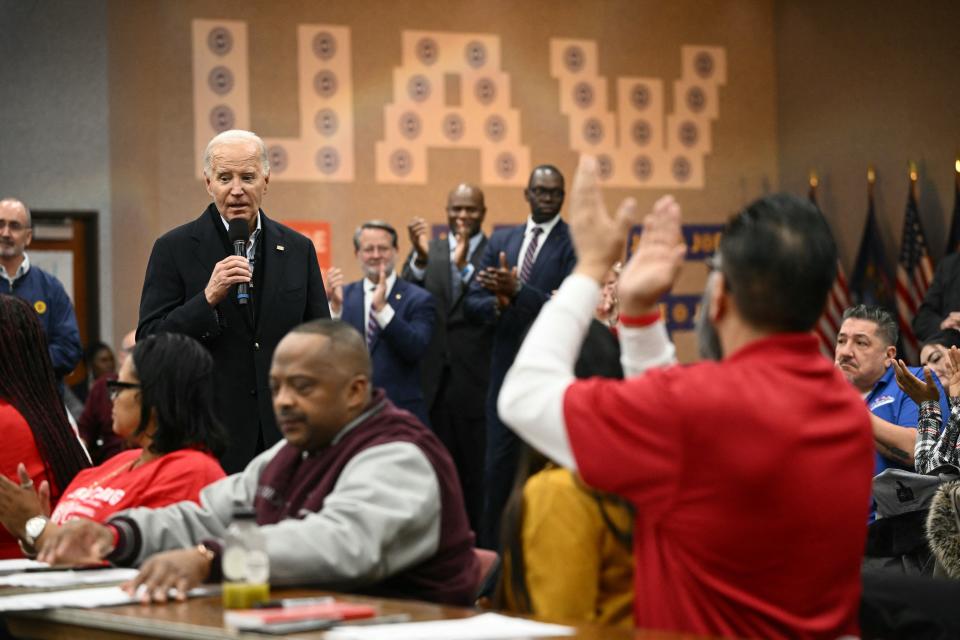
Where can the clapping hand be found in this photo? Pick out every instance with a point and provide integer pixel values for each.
(599, 240)
(333, 284)
(953, 372)
(912, 386)
(20, 502)
(419, 237)
(379, 300)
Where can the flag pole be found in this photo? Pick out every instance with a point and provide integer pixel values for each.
(813, 181)
(912, 167)
(871, 179)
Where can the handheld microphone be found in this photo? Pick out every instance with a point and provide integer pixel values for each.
(238, 234)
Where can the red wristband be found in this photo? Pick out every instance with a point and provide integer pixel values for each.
(645, 320)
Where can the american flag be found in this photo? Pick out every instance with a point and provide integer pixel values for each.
(914, 274)
(828, 326)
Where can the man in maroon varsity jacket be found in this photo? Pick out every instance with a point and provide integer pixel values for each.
(359, 495)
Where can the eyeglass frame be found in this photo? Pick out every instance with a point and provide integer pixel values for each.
(115, 387)
(14, 226)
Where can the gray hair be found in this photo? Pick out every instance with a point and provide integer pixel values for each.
(234, 135)
(374, 224)
(886, 325)
(26, 209)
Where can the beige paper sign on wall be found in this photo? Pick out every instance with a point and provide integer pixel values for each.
(324, 150)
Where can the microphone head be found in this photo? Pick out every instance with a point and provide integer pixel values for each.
(239, 231)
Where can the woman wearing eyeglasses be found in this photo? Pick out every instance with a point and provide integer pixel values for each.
(36, 435)
(162, 406)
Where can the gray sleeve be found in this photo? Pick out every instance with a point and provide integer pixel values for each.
(382, 517)
(186, 523)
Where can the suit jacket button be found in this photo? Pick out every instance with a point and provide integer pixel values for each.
(253, 392)
(256, 346)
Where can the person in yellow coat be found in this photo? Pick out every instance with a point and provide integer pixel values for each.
(567, 549)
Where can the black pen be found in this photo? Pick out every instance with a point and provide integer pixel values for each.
(82, 567)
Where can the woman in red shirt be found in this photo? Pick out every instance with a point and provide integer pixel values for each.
(33, 421)
(162, 406)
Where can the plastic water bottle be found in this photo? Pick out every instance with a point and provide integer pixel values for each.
(246, 566)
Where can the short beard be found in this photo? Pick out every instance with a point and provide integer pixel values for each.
(708, 341)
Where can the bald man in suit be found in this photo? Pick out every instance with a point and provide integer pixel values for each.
(456, 367)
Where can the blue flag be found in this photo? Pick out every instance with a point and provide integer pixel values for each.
(871, 281)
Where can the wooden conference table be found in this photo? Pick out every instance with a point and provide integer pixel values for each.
(202, 618)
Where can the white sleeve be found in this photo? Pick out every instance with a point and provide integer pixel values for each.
(531, 399)
(643, 348)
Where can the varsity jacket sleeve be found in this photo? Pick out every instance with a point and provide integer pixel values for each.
(381, 518)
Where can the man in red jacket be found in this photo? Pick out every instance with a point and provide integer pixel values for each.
(751, 475)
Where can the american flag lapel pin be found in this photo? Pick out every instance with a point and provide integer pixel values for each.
(280, 247)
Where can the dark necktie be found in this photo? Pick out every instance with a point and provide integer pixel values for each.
(372, 328)
(531, 252)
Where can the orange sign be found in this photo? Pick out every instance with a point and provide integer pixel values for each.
(319, 234)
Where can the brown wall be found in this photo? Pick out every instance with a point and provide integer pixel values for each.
(151, 117)
(861, 83)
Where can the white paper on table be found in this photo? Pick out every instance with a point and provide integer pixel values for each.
(81, 598)
(67, 578)
(16, 565)
(486, 626)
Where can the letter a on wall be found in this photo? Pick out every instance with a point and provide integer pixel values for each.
(323, 152)
(450, 93)
(651, 151)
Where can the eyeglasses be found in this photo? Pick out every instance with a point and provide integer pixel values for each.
(114, 387)
(12, 225)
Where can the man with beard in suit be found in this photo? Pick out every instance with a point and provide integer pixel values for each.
(456, 366)
(190, 288)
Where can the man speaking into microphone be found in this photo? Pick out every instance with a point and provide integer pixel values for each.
(237, 282)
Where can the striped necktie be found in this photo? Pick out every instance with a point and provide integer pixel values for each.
(373, 328)
(529, 256)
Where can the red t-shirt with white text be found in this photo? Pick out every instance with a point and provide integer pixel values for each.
(113, 486)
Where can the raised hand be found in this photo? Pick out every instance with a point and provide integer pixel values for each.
(226, 273)
(598, 238)
(953, 371)
(177, 571)
(419, 232)
(502, 281)
(912, 386)
(379, 300)
(460, 251)
(655, 264)
(333, 284)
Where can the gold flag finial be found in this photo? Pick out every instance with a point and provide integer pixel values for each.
(814, 180)
(871, 174)
(912, 166)
(956, 165)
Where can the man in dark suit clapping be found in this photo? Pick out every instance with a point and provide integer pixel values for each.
(395, 317)
(456, 367)
(521, 267)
